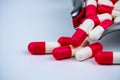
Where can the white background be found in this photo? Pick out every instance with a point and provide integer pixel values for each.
(23, 21)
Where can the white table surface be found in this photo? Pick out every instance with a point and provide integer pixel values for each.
(23, 21)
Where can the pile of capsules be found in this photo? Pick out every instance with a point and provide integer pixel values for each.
(95, 17)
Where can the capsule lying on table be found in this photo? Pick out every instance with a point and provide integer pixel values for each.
(107, 57)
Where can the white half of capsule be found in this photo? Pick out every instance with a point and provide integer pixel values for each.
(104, 16)
(115, 13)
(91, 2)
(87, 25)
(116, 57)
(50, 46)
(117, 19)
(83, 53)
(117, 5)
(96, 33)
(105, 2)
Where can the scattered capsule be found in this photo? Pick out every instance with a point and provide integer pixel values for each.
(88, 51)
(97, 32)
(37, 48)
(82, 32)
(107, 58)
(97, 19)
(108, 9)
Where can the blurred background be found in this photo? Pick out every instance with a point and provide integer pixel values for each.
(23, 21)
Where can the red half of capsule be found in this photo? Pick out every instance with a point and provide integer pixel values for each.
(78, 37)
(104, 58)
(106, 23)
(96, 47)
(62, 52)
(36, 48)
(91, 10)
(105, 9)
(64, 40)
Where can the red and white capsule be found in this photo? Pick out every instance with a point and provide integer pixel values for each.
(87, 25)
(108, 9)
(97, 19)
(82, 32)
(117, 5)
(37, 48)
(107, 58)
(91, 8)
(117, 19)
(68, 51)
(97, 32)
(88, 52)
